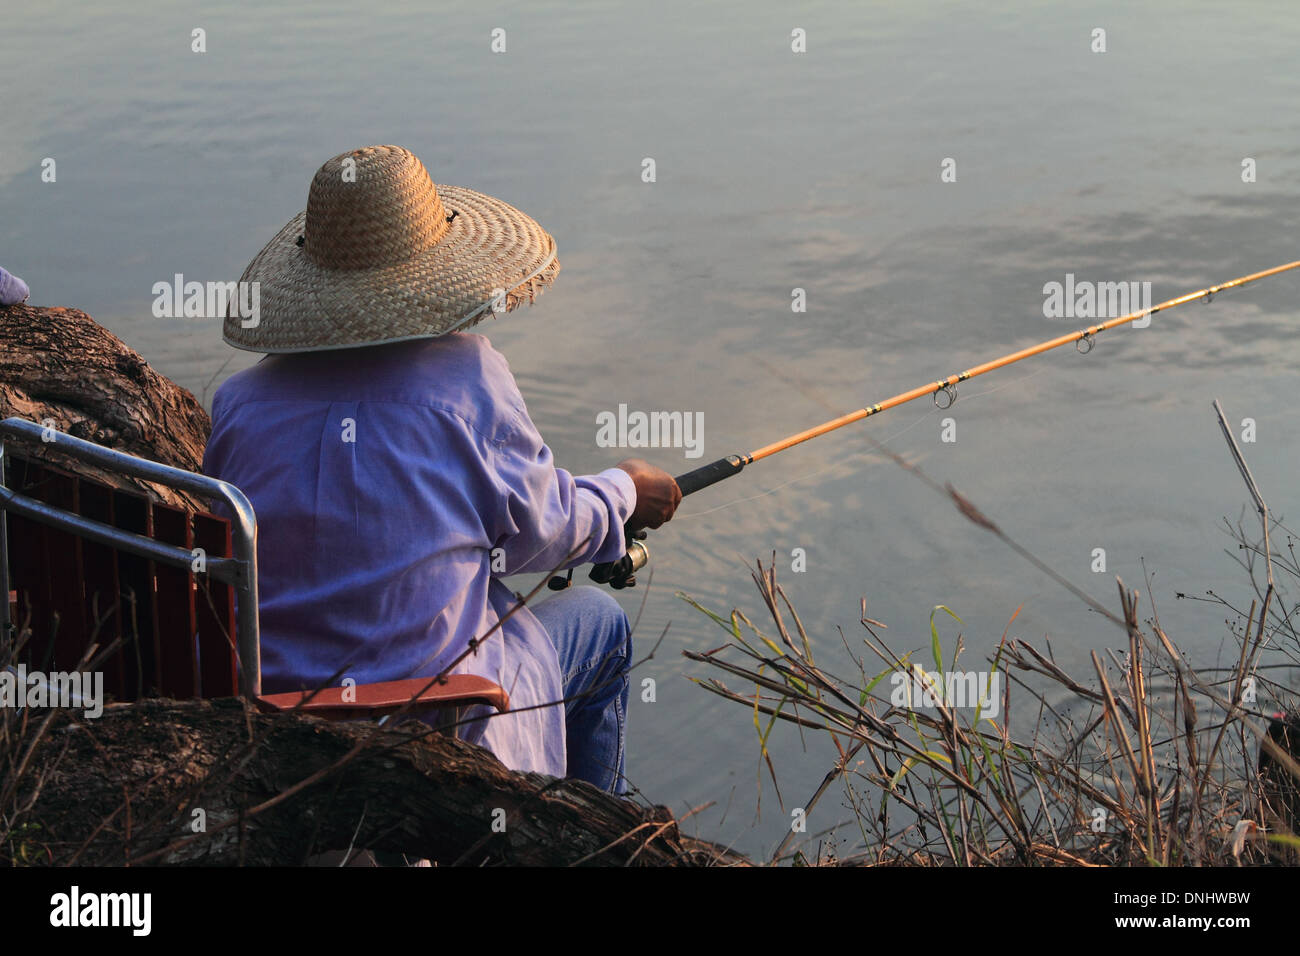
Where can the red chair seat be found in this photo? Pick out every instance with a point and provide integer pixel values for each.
(374, 700)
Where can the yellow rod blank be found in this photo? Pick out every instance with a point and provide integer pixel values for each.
(934, 387)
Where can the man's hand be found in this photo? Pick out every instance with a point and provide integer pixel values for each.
(657, 494)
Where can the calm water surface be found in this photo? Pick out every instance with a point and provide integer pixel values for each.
(775, 171)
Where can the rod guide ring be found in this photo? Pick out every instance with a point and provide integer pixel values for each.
(946, 390)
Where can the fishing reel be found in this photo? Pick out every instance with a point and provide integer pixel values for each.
(617, 574)
(621, 573)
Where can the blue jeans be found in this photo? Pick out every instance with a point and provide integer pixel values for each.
(593, 639)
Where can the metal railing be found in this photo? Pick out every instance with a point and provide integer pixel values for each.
(239, 570)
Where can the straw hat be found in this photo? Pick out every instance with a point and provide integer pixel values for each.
(385, 255)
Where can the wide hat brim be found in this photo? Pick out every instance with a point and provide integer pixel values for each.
(491, 259)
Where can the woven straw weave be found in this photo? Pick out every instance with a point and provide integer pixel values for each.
(380, 262)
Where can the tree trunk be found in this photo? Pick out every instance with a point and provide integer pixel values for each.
(61, 365)
(125, 788)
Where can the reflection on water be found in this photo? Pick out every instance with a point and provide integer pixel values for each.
(775, 172)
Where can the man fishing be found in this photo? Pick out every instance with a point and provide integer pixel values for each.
(396, 474)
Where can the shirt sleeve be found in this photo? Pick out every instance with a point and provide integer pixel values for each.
(548, 513)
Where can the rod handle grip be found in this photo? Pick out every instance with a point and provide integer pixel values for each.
(710, 474)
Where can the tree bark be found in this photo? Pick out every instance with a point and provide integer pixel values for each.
(124, 788)
(60, 364)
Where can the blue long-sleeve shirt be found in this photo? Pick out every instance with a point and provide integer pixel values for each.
(384, 479)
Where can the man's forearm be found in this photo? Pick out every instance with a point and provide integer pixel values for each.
(586, 517)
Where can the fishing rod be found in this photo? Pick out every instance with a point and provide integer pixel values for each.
(619, 574)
